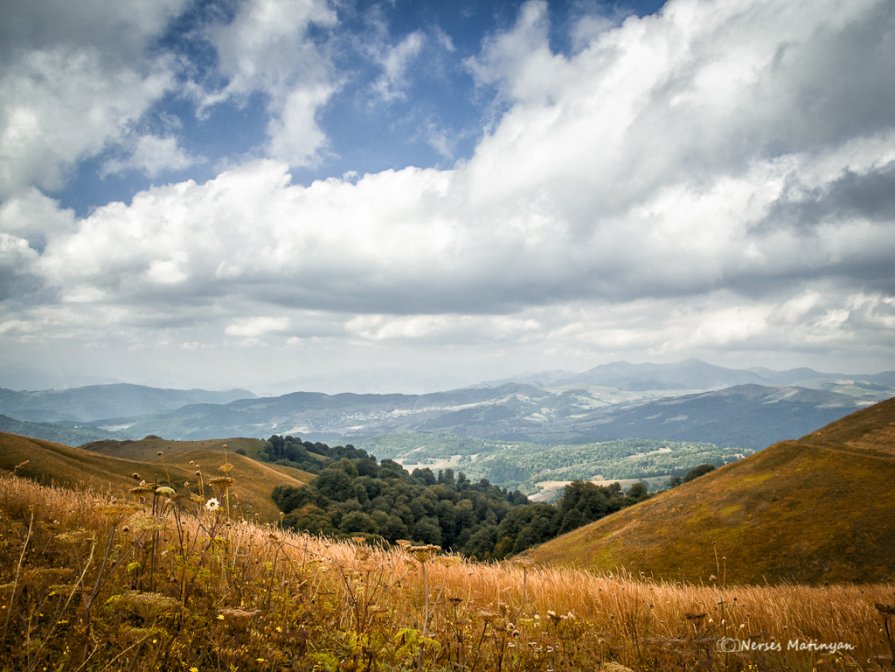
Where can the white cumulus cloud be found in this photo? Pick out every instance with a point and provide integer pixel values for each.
(716, 177)
(267, 49)
(73, 78)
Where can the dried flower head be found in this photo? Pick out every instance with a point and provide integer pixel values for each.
(237, 618)
(424, 553)
(448, 560)
(143, 521)
(165, 491)
(488, 616)
(147, 606)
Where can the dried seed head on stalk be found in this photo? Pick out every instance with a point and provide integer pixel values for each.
(424, 553)
(148, 606)
(488, 616)
(237, 618)
(448, 560)
(143, 521)
(40, 578)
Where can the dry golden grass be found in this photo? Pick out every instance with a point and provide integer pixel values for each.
(815, 510)
(112, 471)
(91, 582)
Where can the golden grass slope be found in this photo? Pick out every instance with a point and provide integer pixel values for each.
(88, 582)
(820, 509)
(113, 470)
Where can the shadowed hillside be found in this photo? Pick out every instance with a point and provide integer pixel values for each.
(113, 470)
(813, 510)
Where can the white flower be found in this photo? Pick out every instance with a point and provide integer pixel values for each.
(212, 504)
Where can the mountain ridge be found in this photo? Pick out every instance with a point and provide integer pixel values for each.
(83, 404)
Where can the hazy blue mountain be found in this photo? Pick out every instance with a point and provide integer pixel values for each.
(690, 374)
(313, 414)
(72, 435)
(95, 402)
(749, 416)
(685, 401)
(696, 375)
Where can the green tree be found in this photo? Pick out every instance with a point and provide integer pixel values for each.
(427, 530)
(357, 521)
(698, 471)
(310, 518)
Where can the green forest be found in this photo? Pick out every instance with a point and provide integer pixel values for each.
(518, 464)
(354, 494)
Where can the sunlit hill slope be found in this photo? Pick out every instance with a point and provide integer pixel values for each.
(110, 465)
(813, 510)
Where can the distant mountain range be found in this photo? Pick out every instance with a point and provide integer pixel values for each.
(689, 401)
(694, 374)
(749, 416)
(96, 402)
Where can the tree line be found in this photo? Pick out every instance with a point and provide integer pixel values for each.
(355, 494)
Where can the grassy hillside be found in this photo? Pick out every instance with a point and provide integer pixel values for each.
(88, 582)
(109, 466)
(814, 510)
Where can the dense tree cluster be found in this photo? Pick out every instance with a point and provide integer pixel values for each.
(354, 494)
(695, 472)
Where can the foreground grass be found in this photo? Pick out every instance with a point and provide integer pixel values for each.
(88, 582)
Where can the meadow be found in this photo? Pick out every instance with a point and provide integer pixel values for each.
(166, 579)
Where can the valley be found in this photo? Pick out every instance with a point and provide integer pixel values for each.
(752, 551)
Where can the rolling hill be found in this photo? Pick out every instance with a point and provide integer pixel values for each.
(819, 509)
(109, 466)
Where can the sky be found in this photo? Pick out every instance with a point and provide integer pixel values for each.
(344, 195)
